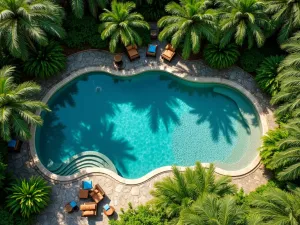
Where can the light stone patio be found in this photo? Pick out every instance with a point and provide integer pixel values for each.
(119, 194)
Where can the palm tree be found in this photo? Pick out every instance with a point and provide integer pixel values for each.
(189, 22)
(276, 206)
(287, 161)
(24, 23)
(243, 19)
(78, 6)
(16, 107)
(289, 75)
(211, 210)
(120, 25)
(180, 191)
(286, 14)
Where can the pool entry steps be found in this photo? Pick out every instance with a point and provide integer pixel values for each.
(80, 161)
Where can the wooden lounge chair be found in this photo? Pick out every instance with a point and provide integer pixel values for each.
(14, 145)
(168, 53)
(132, 52)
(89, 209)
(97, 193)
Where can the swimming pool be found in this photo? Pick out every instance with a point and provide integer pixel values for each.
(145, 122)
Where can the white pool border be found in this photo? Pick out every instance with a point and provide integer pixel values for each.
(128, 73)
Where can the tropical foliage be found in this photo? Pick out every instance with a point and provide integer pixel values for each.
(120, 24)
(45, 61)
(24, 23)
(183, 189)
(275, 206)
(289, 76)
(243, 20)
(251, 59)
(266, 76)
(221, 57)
(142, 215)
(286, 15)
(28, 196)
(93, 5)
(16, 106)
(210, 209)
(189, 22)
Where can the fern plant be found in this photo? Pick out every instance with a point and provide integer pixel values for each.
(267, 75)
(46, 61)
(28, 196)
(221, 57)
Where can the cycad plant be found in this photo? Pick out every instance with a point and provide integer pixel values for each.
(289, 76)
(17, 109)
(28, 196)
(221, 57)
(189, 22)
(266, 76)
(286, 15)
(24, 23)
(276, 206)
(173, 194)
(243, 20)
(210, 210)
(286, 163)
(120, 24)
(45, 61)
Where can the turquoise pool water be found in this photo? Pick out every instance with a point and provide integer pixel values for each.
(148, 121)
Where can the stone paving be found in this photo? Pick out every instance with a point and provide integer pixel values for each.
(118, 194)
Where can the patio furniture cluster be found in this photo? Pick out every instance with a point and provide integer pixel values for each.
(90, 208)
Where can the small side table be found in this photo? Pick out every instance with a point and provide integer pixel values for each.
(83, 193)
(110, 211)
(68, 208)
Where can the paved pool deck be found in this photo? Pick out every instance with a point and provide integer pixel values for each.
(119, 194)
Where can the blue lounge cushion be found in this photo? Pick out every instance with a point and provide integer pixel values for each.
(12, 143)
(73, 204)
(87, 184)
(152, 48)
(106, 207)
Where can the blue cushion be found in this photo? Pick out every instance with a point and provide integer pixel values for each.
(152, 48)
(12, 143)
(87, 184)
(106, 207)
(73, 204)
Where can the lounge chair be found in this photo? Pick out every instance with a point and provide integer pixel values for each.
(132, 52)
(89, 209)
(151, 51)
(168, 53)
(97, 193)
(14, 145)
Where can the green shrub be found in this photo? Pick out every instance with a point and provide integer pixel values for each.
(142, 215)
(28, 196)
(81, 32)
(267, 73)
(221, 58)
(271, 145)
(6, 218)
(2, 171)
(251, 59)
(45, 61)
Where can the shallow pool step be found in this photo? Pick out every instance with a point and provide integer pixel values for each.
(83, 160)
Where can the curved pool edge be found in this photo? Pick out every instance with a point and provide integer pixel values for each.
(234, 173)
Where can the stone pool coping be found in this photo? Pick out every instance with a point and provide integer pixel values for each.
(128, 73)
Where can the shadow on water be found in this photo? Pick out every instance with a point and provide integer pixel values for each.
(219, 115)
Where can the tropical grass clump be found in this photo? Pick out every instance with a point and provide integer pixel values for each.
(266, 75)
(221, 57)
(46, 61)
(17, 107)
(28, 196)
(174, 194)
(121, 24)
